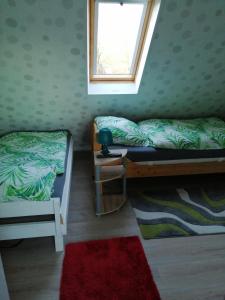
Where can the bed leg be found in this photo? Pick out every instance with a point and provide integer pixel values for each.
(59, 244)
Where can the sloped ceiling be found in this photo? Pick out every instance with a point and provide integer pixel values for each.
(43, 66)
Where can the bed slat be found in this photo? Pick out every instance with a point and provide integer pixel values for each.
(26, 208)
(27, 230)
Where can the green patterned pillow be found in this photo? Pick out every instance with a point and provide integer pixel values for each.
(124, 131)
(193, 134)
(216, 131)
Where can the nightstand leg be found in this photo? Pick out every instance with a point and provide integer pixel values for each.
(98, 190)
(124, 186)
(124, 181)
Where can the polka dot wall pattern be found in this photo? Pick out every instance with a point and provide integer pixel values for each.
(43, 66)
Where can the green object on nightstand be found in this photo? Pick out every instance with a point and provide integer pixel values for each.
(105, 138)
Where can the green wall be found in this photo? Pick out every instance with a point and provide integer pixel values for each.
(43, 66)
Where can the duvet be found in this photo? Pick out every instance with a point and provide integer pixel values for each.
(29, 164)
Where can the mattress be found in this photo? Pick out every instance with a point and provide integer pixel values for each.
(141, 154)
(60, 179)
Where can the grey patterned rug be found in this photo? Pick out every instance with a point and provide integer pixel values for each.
(180, 212)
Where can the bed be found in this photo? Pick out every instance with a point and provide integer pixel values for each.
(146, 161)
(28, 219)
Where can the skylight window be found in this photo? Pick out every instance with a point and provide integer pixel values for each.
(117, 37)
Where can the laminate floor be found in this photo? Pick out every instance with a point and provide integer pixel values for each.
(190, 268)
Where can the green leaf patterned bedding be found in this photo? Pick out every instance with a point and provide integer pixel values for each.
(124, 131)
(29, 163)
(193, 134)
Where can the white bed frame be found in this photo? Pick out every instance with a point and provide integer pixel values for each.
(56, 228)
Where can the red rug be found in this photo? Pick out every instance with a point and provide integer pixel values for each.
(114, 269)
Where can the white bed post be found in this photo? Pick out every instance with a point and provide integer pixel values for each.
(59, 244)
(4, 294)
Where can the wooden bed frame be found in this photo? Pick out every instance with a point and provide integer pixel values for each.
(168, 168)
(58, 209)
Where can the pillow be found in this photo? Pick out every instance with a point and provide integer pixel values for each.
(215, 128)
(193, 134)
(124, 131)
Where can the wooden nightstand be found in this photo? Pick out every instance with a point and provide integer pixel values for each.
(109, 169)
